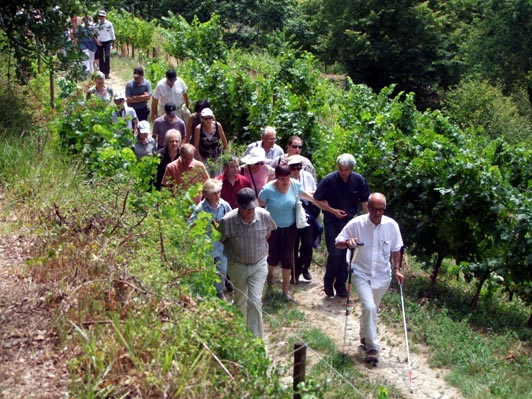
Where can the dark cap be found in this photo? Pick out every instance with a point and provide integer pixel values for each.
(170, 109)
(246, 199)
(171, 75)
(138, 71)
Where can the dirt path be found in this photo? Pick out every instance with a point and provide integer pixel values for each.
(31, 364)
(329, 316)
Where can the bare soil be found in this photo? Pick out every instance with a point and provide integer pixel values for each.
(31, 363)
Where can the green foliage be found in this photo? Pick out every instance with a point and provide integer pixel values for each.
(398, 42)
(197, 40)
(484, 348)
(133, 31)
(499, 47)
(34, 31)
(476, 104)
(87, 130)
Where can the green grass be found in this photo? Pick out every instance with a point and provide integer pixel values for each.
(486, 349)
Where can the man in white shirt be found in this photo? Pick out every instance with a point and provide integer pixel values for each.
(372, 271)
(170, 89)
(104, 40)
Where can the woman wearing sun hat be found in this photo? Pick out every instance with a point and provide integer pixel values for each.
(256, 169)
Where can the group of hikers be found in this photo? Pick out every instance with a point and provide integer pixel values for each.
(254, 200)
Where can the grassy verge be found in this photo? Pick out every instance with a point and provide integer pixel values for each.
(487, 349)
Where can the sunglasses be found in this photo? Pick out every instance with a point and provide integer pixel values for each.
(259, 163)
(296, 167)
(208, 117)
(297, 147)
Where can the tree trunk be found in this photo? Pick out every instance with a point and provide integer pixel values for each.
(481, 282)
(434, 275)
(529, 323)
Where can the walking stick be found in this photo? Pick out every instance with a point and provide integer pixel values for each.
(354, 254)
(404, 323)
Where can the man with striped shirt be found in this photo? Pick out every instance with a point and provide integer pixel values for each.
(245, 232)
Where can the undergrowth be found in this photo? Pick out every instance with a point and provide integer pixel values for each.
(486, 349)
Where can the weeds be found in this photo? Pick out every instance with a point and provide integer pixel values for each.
(487, 351)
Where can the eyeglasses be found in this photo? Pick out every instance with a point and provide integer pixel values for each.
(297, 147)
(259, 163)
(378, 209)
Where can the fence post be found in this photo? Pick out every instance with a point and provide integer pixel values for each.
(300, 359)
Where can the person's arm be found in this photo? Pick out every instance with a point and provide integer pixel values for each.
(222, 136)
(396, 267)
(324, 206)
(135, 122)
(140, 98)
(185, 100)
(188, 133)
(154, 104)
(196, 138)
(155, 132)
(364, 207)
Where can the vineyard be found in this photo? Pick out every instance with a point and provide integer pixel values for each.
(123, 263)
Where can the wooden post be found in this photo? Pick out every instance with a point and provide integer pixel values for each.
(300, 359)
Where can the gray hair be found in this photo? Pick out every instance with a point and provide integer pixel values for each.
(346, 160)
(171, 134)
(268, 129)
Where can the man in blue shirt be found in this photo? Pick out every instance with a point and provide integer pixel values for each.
(342, 193)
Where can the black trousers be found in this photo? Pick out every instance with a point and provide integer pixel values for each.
(104, 57)
(142, 113)
(303, 249)
(336, 267)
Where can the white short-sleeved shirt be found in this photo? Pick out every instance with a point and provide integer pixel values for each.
(373, 258)
(166, 94)
(105, 31)
(128, 114)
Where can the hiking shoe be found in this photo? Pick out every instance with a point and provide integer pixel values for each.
(307, 275)
(221, 296)
(229, 285)
(269, 280)
(329, 292)
(342, 294)
(372, 356)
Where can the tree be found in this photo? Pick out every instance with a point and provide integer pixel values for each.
(386, 42)
(34, 33)
(499, 48)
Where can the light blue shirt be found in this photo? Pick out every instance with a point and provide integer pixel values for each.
(218, 214)
(281, 206)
